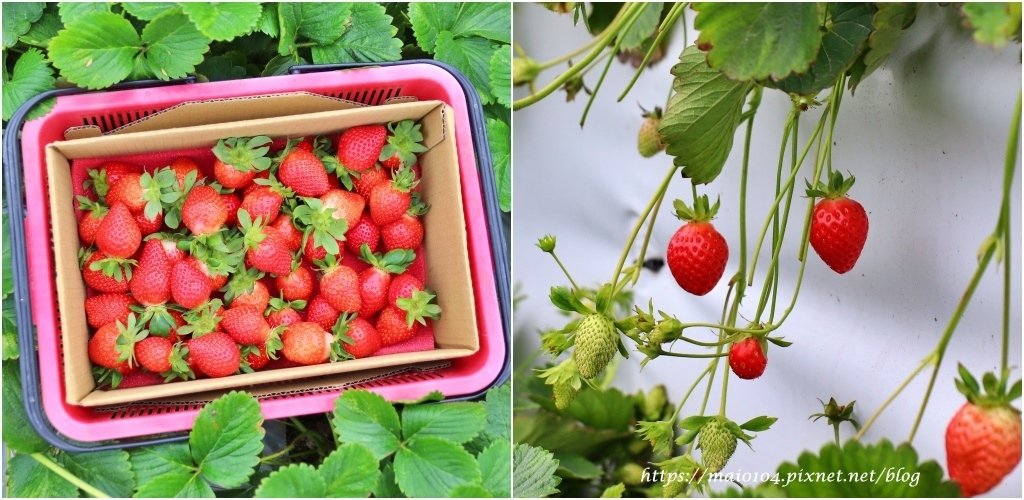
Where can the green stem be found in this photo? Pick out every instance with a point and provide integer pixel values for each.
(892, 397)
(1009, 165)
(714, 364)
(725, 387)
(563, 58)
(663, 30)
(687, 355)
(281, 452)
(564, 270)
(647, 235)
(835, 427)
(68, 476)
(635, 11)
(679, 407)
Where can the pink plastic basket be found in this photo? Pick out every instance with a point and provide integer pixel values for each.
(465, 377)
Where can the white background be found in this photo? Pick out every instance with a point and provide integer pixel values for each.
(925, 135)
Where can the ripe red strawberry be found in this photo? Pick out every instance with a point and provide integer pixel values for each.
(97, 280)
(375, 281)
(182, 167)
(839, 225)
(113, 345)
(304, 173)
(285, 313)
(190, 287)
(389, 201)
(346, 205)
(360, 147)
(339, 285)
(297, 285)
(697, 253)
(149, 226)
(983, 439)
(267, 251)
(231, 206)
(140, 378)
(92, 216)
(364, 337)
(254, 358)
(370, 179)
(108, 308)
(161, 355)
(402, 287)
(118, 234)
(287, 230)
(406, 232)
(747, 358)
(397, 324)
(363, 232)
(230, 177)
(246, 325)
(306, 343)
(100, 179)
(321, 312)
(204, 211)
(171, 250)
(263, 202)
(404, 141)
(128, 190)
(151, 280)
(239, 159)
(215, 354)
(246, 289)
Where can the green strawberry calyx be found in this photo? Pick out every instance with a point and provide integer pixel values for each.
(994, 391)
(279, 304)
(836, 188)
(245, 154)
(404, 180)
(160, 190)
(318, 222)
(179, 364)
(201, 320)
(419, 307)
(393, 262)
(702, 210)
(341, 337)
(96, 208)
(404, 140)
(129, 334)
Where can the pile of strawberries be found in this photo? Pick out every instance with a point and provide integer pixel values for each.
(261, 260)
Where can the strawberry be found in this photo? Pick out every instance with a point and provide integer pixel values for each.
(304, 173)
(983, 439)
(323, 231)
(649, 141)
(406, 232)
(100, 179)
(239, 159)
(103, 348)
(170, 244)
(360, 147)
(389, 201)
(370, 179)
(286, 230)
(246, 325)
(839, 225)
(161, 355)
(375, 281)
(151, 280)
(596, 344)
(231, 206)
(202, 319)
(149, 226)
(358, 337)
(404, 140)
(263, 202)
(245, 289)
(254, 358)
(184, 166)
(306, 343)
(398, 323)
(92, 216)
(128, 190)
(118, 234)
(204, 211)
(697, 253)
(215, 354)
(190, 286)
(339, 285)
(364, 232)
(297, 285)
(95, 278)
(285, 313)
(747, 358)
(140, 378)
(346, 205)
(320, 311)
(266, 250)
(107, 308)
(402, 287)
(716, 443)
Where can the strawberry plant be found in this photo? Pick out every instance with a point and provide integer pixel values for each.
(809, 57)
(95, 45)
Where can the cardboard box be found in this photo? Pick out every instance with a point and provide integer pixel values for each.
(448, 274)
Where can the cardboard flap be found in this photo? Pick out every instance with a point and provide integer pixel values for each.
(82, 132)
(434, 126)
(193, 113)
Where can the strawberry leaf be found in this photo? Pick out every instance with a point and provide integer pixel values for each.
(428, 466)
(368, 36)
(471, 56)
(500, 75)
(18, 434)
(148, 11)
(320, 22)
(499, 137)
(95, 50)
(366, 418)
(44, 29)
(888, 23)
(29, 478)
(841, 44)
(994, 24)
(227, 438)
(168, 471)
(17, 20)
(70, 11)
(643, 28)
(223, 21)
(31, 75)
(486, 20)
(351, 471)
(109, 471)
(457, 422)
(758, 424)
(173, 46)
(533, 472)
(496, 468)
(295, 481)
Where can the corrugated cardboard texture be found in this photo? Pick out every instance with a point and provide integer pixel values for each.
(456, 332)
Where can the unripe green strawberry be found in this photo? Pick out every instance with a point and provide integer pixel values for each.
(716, 443)
(595, 345)
(648, 139)
(564, 394)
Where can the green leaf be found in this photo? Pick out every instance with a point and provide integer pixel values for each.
(471, 56)
(533, 472)
(44, 29)
(221, 67)
(573, 466)
(643, 28)
(27, 478)
(292, 481)
(470, 491)
(269, 23)
(994, 24)
(457, 422)
(387, 487)
(496, 468)
(500, 72)
(606, 409)
(351, 471)
(758, 424)
(109, 471)
(364, 417)
(431, 467)
(96, 50)
(320, 22)
(279, 65)
(223, 20)
(755, 41)
(840, 47)
(30, 76)
(486, 20)
(227, 438)
(499, 138)
(148, 11)
(71, 11)
(7, 280)
(614, 491)
(888, 23)
(10, 337)
(499, 412)
(167, 471)
(18, 18)
(174, 46)
(18, 433)
(368, 37)
(701, 118)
